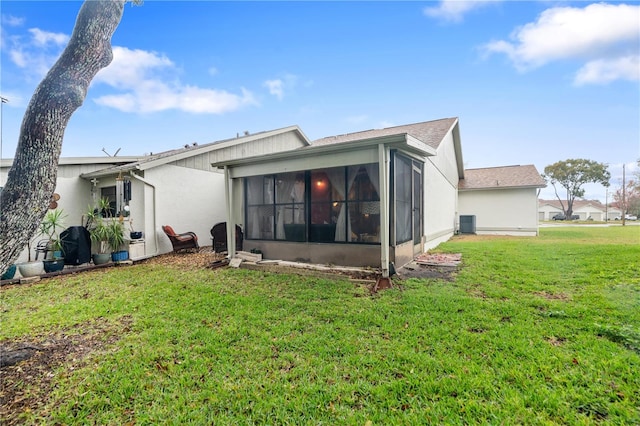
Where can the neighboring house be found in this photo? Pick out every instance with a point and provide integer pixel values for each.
(178, 187)
(585, 209)
(502, 200)
(361, 199)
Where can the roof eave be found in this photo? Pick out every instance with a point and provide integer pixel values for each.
(487, 188)
(314, 149)
(110, 171)
(221, 145)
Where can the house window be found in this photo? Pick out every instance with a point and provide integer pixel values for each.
(407, 187)
(364, 204)
(109, 192)
(327, 202)
(339, 204)
(118, 196)
(276, 207)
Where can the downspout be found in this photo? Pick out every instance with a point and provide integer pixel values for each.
(231, 224)
(383, 176)
(155, 210)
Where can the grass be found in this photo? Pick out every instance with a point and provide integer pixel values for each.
(539, 330)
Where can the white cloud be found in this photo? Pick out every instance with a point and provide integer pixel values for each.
(276, 88)
(212, 71)
(601, 34)
(603, 71)
(43, 38)
(149, 86)
(36, 53)
(130, 66)
(357, 119)
(279, 86)
(454, 10)
(385, 124)
(12, 21)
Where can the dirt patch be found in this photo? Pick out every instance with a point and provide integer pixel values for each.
(553, 296)
(416, 270)
(202, 259)
(27, 384)
(440, 266)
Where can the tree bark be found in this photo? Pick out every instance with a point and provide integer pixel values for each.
(32, 178)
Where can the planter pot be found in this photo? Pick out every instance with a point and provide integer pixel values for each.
(31, 269)
(9, 273)
(101, 258)
(53, 265)
(119, 256)
(135, 235)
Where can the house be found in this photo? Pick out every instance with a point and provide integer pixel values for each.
(177, 187)
(501, 200)
(369, 198)
(372, 198)
(75, 192)
(585, 209)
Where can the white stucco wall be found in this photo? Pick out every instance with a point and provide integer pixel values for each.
(440, 194)
(187, 200)
(75, 196)
(502, 211)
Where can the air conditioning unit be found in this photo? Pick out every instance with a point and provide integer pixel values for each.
(468, 224)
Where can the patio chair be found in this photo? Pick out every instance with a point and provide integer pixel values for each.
(181, 242)
(42, 247)
(219, 237)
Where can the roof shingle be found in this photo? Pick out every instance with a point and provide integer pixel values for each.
(502, 177)
(430, 133)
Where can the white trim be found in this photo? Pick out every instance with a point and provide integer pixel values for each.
(231, 224)
(383, 177)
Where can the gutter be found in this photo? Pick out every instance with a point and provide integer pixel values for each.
(155, 210)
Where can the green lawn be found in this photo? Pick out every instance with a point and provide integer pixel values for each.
(539, 330)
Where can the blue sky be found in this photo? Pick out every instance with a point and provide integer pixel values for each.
(533, 82)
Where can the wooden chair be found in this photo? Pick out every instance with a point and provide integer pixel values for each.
(180, 242)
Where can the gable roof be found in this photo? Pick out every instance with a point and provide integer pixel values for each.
(187, 151)
(421, 139)
(431, 133)
(501, 178)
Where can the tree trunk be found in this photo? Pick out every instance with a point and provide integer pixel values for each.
(32, 178)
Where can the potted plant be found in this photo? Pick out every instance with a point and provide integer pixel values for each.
(98, 231)
(133, 234)
(51, 226)
(9, 273)
(115, 239)
(30, 268)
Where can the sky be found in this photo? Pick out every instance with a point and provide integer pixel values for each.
(532, 82)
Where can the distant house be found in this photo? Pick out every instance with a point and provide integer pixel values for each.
(585, 209)
(501, 200)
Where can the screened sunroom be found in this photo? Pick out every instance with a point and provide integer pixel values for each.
(356, 201)
(334, 205)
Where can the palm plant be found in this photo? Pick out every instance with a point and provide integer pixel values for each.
(99, 222)
(51, 226)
